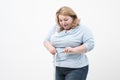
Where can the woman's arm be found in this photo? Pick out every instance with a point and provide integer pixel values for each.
(47, 42)
(49, 47)
(79, 49)
(88, 44)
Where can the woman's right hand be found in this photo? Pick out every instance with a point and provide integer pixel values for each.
(52, 50)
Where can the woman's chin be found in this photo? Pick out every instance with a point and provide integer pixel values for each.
(66, 28)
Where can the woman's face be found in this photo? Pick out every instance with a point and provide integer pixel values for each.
(65, 21)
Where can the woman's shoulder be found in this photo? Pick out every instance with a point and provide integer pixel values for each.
(54, 27)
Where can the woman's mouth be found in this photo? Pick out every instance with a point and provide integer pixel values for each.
(65, 25)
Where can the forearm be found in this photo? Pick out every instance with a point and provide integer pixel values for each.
(48, 44)
(79, 49)
(49, 47)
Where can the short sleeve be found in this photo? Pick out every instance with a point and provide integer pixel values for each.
(50, 33)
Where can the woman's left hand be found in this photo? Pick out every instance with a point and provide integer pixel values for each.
(68, 50)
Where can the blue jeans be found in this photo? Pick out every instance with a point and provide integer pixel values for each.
(63, 73)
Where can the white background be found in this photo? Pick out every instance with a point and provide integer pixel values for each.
(25, 23)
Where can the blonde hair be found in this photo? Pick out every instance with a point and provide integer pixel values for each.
(67, 11)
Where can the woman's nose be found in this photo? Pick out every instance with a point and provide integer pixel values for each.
(64, 22)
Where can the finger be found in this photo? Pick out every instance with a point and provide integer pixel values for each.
(65, 50)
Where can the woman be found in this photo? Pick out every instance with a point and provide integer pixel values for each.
(69, 41)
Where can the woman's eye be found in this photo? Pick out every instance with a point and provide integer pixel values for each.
(60, 20)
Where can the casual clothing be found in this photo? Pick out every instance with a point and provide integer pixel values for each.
(71, 66)
(72, 38)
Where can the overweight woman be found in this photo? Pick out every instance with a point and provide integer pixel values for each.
(69, 41)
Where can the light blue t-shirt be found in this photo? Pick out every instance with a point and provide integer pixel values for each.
(72, 38)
